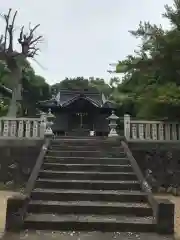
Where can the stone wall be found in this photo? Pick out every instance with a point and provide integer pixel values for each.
(160, 163)
(17, 159)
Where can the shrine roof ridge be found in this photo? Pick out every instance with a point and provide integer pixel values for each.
(79, 91)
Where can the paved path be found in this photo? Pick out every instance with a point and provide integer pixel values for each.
(41, 235)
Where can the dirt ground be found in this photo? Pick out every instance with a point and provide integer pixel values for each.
(5, 194)
(176, 201)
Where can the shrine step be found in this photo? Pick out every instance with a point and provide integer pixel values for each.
(101, 223)
(88, 195)
(79, 138)
(76, 153)
(87, 175)
(87, 184)
(87, 167)
(86, 160)
(67, 146)
(86, 142)
(89, 207)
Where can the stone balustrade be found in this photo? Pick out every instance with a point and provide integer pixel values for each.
(37, 128)
(151, 130)
(29, 128)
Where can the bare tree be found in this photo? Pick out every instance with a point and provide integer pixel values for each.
(13, 58)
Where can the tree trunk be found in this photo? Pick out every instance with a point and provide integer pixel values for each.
(15, 77)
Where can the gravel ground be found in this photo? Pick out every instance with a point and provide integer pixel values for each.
(84, 236)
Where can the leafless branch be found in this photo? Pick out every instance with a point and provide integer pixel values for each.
(6, 17)
(1, 40)
(40, 65)
(28, 42)
(10, 32)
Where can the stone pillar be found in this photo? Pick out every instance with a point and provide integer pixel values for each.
(127, 126)
(112, 124)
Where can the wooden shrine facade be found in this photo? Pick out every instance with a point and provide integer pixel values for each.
(79, 112)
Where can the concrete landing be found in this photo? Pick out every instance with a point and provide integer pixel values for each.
(42, 235)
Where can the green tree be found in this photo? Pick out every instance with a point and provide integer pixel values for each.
(151, 77)
(34, 88)
(14, 59)
(81, 83)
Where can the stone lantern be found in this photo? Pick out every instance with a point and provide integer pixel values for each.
(112, 124)
(49, 123)
(42, 116)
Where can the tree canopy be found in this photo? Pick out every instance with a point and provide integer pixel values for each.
(35, 88)
(149, 88)
(84, 83)
(152, 75)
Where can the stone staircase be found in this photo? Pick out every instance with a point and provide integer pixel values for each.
(88, 185)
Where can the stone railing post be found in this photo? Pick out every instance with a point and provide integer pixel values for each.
(112, 124)
(43, 118)
(127, 126)
(6, 128)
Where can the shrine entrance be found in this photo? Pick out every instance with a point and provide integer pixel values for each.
(82, 116)
(80, 120)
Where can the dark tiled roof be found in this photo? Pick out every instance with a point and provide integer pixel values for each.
(81, 96)
(65, 97)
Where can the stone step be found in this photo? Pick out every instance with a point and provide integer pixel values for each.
(86, 160)
(87, 167)
(88, 195)
(106, 148)
(86, 142)
(89, 223)
(87, 175)
(77, 137)
(87, 184)
(89, 207)
(75, 153)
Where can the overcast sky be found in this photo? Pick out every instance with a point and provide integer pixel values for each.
(81, 37)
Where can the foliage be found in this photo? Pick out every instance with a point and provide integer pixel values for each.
(35, 88)
(150, 86)
(3, 107)
(151, 76)
(79, 83)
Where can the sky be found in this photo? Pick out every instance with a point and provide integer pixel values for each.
(82, 37)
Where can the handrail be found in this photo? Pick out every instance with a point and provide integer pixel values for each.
(33, 177)
(144, 184)
(20, 119)
(35, 171)
(163, 209)
(152, 122)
